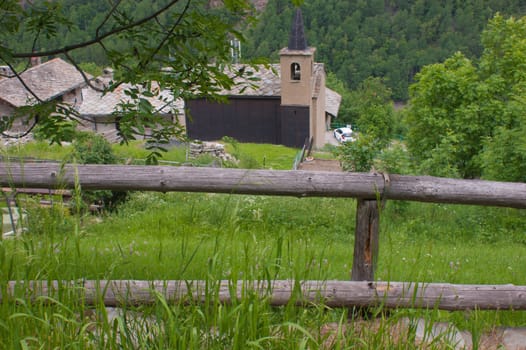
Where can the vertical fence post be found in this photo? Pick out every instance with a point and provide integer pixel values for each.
(366, 240)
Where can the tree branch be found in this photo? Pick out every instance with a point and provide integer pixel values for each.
(22, 134)
(97, 39)
(167, 35)
(86, 80)
(113, 9)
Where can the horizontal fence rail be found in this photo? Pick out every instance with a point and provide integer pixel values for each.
(281, 292)
(265, 182)
(368, 188)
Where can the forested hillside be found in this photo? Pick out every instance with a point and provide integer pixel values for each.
(88, 19)
(392, 39)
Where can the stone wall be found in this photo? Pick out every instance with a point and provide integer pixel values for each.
(217, 150)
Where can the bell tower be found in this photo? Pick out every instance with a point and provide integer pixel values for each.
(298, 95)
(297, 64)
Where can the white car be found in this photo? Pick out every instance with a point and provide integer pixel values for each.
(344, 135)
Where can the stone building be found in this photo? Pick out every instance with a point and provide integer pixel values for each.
(53, 80)
(288, 104)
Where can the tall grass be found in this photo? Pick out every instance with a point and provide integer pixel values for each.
(39, 150)
(303, 238)
(240, 237)
(235, 237)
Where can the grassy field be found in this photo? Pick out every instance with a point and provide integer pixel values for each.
(250, 155)
(235, 237)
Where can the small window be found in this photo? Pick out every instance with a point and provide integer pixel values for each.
(295, 71)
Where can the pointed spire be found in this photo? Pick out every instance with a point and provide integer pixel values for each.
(297, 40)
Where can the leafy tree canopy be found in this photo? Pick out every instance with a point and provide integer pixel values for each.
(371, 112)
(467, 118)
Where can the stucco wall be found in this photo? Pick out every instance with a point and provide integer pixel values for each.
(5, 109)
(296, 92)
(318, 117)
(73, 97)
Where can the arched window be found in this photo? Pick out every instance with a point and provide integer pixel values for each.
(295, 71)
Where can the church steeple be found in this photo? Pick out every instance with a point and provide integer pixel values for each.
(302, 110)
(296, 62)
(297, 40)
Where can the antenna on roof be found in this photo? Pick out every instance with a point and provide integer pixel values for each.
(235, 50)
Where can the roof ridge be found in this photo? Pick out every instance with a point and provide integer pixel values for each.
(47, 63)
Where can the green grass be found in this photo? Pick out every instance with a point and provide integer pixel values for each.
(237, 237)
(39, 150)
(135, 152)
(213, 237)
(250, 155)
(314, 236)
(264, 156)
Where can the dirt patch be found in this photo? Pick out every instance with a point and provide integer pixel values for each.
(404, 333)
(320, 165)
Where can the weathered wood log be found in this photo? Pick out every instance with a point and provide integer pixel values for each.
(266, 182)
(304, 293)
(366, 240)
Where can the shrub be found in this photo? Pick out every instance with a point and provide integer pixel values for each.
(359, 155)
(91, 148)
(394, 159)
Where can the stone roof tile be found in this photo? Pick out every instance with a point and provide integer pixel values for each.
(47, 80)
(332, 102)
(97, 104)
(267, 84)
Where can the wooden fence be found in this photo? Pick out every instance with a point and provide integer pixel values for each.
(371, 189)
(304, 152)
